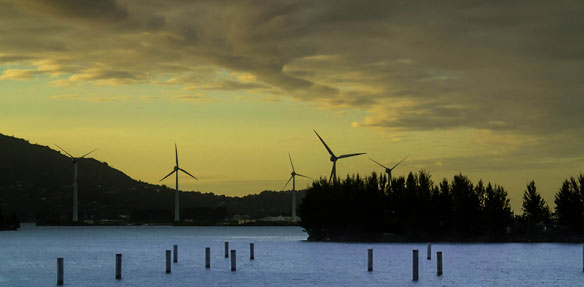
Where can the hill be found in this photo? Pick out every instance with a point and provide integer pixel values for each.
(36, 185)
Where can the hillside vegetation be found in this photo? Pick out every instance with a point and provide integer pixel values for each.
(36, 184)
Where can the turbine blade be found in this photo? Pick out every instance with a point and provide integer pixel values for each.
(377, 163)
(187, 173)
(176, 154)
(168, 174)
(326, 146)
(303, 175)
(350, 155)
(287, 182)
(65, 151)
(291, 162)
(87, 153)
(400, 162)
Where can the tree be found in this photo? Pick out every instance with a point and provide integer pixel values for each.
(414, 208)
(443, 206)
(466, 205)
(497, 214)
(570, 205)
(534, 207)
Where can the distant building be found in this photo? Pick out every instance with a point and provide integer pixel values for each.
(240, 219)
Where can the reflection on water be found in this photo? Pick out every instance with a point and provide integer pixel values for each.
(282, 258)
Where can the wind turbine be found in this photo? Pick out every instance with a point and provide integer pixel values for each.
(177, 169)
(75, 160)
(293, 179)
(334, 158)
(387, 169)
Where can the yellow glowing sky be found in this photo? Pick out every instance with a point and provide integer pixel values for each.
(491, 90)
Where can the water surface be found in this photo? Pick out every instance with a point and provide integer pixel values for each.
(282, 258)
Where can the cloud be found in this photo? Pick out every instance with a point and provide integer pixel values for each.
(495, 66)
(105, 9)
(5, 59)
(273, 98)
(92, 98)
(17, 74)
(109, 99)
(105, 13)
(227, 85)
(103, 75)
(36, 67)
(197, 98)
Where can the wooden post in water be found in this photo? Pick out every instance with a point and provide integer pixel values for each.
(429, 256)
(60, 271)
(251, 255)
(208, 257)
(233, 267)
(226, 249)
(167, 261)
(175, 253)
(369, 260)
(439, 259)
(118, 266)
(415, 265)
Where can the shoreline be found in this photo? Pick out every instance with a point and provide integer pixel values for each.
(412, 238)
(266, 223)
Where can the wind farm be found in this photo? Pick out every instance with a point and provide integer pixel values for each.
(361, 202)
(437, 125)
(90, 207)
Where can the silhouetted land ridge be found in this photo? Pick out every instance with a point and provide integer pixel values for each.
(36, 185)
(413, 208)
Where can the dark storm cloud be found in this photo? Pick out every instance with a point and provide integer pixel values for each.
(102, 12)
(104, 9)
(412, 65)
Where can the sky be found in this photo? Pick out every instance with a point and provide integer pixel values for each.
(489, 89)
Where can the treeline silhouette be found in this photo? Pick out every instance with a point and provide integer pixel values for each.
(414, 208)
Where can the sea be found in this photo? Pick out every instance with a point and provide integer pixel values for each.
(283, 257)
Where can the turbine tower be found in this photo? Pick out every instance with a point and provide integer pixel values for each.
(334, 158)
(75, 160)
(176, 170)
(293, 179)
(387, 169)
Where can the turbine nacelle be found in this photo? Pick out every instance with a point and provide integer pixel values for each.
(387, 169)
(73, 158)
(293, 174)
(334, 158)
